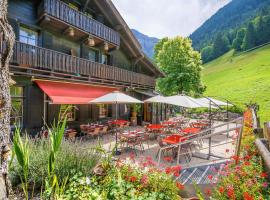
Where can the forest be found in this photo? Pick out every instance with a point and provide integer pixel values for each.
(255, 32)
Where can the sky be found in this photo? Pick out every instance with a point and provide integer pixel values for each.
(167, 18)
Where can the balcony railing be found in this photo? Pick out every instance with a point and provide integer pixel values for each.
(34, 57)
(63, 12)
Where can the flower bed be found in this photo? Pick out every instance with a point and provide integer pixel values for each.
(126, 180)
(243, 177)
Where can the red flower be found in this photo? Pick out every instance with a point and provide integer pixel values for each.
(176, 174)
(132, 179)
(168, 170)
(168, 159)
(221, 189)
(210, 177)
(264, 175)
(180, 186)
(247, 163)
(208, 192)
(247, 196)
(231, 192)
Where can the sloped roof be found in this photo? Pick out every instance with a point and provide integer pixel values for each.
(129, 41)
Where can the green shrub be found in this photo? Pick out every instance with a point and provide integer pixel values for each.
(71, 157)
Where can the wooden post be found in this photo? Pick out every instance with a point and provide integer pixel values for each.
(266, 132)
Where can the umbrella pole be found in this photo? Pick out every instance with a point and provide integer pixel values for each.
(116, 130)
(210, 139)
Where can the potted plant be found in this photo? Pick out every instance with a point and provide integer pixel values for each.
(135, 110)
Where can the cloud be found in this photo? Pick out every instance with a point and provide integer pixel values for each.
(162, 18)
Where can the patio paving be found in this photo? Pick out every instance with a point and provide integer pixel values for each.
(222, 146)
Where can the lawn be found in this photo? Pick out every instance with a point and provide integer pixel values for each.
(241, 78)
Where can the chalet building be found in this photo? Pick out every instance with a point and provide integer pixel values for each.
(70, 52)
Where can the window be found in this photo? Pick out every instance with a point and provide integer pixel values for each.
(104, 59)
(28, 36)
(16, 115)
(69, 111)
(92, 55)
(103, 111)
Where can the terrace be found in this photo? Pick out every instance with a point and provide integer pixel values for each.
(196, 146)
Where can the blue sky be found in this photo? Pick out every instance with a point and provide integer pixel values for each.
(160, 18)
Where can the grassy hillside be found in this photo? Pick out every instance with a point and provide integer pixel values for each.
(241, 78)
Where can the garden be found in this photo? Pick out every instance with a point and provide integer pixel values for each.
(54, 168)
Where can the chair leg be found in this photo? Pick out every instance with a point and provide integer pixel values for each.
(157, 153)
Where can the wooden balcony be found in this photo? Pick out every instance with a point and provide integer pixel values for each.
(61, 16)
(36, 59)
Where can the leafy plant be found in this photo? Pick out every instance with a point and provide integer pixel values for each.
(21, 150)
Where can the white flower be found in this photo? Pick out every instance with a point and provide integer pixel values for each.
(88, 181)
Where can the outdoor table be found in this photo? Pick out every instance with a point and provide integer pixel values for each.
(129, 135)
(199, 124)
(119, 122)
(174, 139)
(190, 130)
(155, 126)
(168, 123)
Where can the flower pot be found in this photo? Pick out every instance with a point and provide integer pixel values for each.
(134, 114)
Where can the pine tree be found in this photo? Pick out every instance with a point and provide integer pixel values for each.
(238, 41)
(261, 36)
(250, 37)
(221, 45)
(207, 54)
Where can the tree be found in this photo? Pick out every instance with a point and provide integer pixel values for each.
(250, 37)
(7, 35)
(207, 54)
(159, 46)
(220, 46)
(260, 31)
(238, 41)
(182, 66)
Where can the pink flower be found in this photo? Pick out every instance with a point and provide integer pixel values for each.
(265, 184)
(144, 179)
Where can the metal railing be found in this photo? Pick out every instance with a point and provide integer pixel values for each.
(208, 134)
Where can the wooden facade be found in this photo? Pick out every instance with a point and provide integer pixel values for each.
(79, 41)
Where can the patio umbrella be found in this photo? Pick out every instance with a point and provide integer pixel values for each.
(185, 101)
(115, 98)
(156, 99)
(208, 100)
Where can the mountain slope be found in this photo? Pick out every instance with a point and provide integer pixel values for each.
(241, 78)
(147, 43)
(233, 15)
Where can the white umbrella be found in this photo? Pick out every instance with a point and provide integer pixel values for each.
(156, 99)
(185, 101)
(115, 98)
(208, 100)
